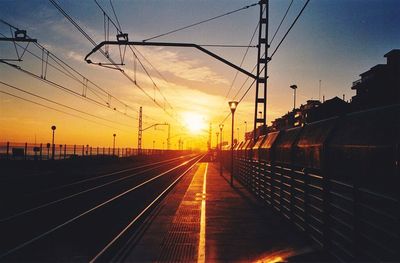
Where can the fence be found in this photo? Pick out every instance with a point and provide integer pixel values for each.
(28, 151)
(336, 180)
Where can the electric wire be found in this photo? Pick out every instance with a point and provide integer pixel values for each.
(66, 72)
(273, 53)
(61, 111)
(70, 19)
(118, 28)
(61, 104)
(290, 28)
(61, 87)
(200, 22)
(280, 24)
(116, 17)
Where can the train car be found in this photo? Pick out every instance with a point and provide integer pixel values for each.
(256, 147)
(266, 151)
(309, 149)
(248, 149)
(285, 144)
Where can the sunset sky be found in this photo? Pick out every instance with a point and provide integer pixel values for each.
(333, 41)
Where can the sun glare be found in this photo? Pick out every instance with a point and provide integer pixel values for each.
(195, 123)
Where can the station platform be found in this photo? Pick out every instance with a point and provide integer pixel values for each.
(205, 219)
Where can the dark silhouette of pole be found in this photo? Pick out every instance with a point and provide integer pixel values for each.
(232, 105)
(114, 143)
(221, 126)
(216, 146)
(52, 143)
(294, 87)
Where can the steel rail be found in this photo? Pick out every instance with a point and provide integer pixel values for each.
(143, 212)
(112, 173)
(89, 189)
(75, 218)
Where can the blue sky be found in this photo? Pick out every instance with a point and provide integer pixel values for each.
(334, 41)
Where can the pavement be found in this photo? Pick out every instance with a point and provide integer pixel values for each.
(205, 219)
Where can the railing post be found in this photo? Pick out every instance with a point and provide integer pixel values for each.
(41, 151)
(109, 151)
(26, 150)
(97, 150)
(306, 199)
(291, 199)
(91, 150)
(8, 150)
(118, 152)
(83, 150)
(60, 151)
(74, 149)
(65, 151)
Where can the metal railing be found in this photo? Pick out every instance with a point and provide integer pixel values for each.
(352, 223)
(44, 151)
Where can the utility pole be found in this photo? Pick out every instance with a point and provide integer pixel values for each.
(319, 91)
(262, 66)
(209, 138)
(169, 137)
(294, 87)
(140, 132)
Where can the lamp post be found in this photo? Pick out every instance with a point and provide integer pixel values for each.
(217, 133)
(294, 87)
(114, 144)
(245, 129)
(221, 126)
(52, 143)
(232, 106)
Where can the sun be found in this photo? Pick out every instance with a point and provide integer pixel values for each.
(195, 123)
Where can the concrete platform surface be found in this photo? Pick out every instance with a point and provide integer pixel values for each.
(205, 219)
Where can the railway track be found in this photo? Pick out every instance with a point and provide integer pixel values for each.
(81, 220)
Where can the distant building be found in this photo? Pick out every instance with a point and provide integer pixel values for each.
(330, 108)
(380, 85)
(312, 111)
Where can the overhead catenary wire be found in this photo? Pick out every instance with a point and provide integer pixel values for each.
(118, 28)
(273, 53)
(280, 24)
(61, 87)
(62, 105)
(200, 22)
(61, 111)
(290, 28)
(71, 20)
(67, 70)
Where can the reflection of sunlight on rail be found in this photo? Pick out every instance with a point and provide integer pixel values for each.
(275, 256)
(185, 162)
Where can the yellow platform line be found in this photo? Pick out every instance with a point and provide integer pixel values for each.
(202, 240)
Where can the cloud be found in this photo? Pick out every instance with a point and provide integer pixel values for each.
(174, 63)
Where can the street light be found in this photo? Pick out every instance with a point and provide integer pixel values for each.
(217, 133)
(221, 126)
(245, 130)
(294, 87)
(52, 142)
(114, 144)
(232, 106)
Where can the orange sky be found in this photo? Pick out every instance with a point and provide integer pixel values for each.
(194, 84)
